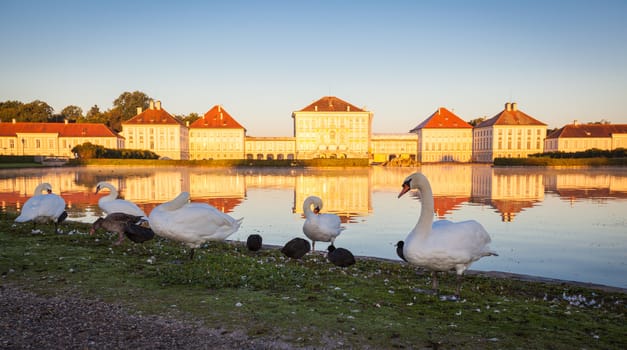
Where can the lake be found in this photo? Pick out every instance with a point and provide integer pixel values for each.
(568, 223)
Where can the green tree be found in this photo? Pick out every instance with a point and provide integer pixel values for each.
(72, 113)
(93, 115)
(10, 110)
(36, 111)
(190, 118)
(477, 121)
(125, 106)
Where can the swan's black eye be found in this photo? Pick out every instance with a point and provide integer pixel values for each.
(407, 183)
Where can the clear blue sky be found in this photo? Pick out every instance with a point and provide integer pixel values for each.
(262, 60)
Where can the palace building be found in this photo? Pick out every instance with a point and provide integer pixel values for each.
(444, 137)
(509, 134)
(326, 128)
(158, 131)
(54, 139)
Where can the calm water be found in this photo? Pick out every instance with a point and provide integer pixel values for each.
(560, 223)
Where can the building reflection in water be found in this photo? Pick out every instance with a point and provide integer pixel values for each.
(345, 191)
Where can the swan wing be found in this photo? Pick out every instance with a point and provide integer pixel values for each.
(322, 227)
(43, 205)
(193, 223)
(121, 206)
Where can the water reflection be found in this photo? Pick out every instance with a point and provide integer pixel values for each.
(365, 198)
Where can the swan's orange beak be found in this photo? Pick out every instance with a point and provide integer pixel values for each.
(405, 189)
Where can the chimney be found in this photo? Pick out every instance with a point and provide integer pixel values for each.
(152, 104)
(348, 108)
(575, 122)
(65, 121)
(158, 103)
(139, 110)
(187, 123)
(13, 120)
(315, 109)
(514, 106)
(508, 106)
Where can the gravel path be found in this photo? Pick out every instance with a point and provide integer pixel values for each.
(29, 321)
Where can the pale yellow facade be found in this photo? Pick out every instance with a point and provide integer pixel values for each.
(444, 145)
(216, 143)
(167, 140)
(270, 148)
(507, 141)
(386, 147)
(331, 133)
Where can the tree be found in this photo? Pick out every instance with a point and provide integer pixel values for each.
(93, 115)
(190, 118)
(477, 121)
(125, 106)
(10, 110)
(72, 113)
(36, 111)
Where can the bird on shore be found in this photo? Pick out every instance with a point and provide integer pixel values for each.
(254, 242)
(319, 227)
(43, 208)
(191, 223)
(123, 224)
(112, 204)
(340, 256)
(443, 245)
(296, 248)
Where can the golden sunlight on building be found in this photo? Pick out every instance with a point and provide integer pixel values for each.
(217, 135)
(509, 134)
(156, 130)
(332, 128)
(444, 137)
(270, 148)
(580, 137)
(386, 147)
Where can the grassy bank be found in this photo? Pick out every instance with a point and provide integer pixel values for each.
(546, 161)
(227, 162)
(309, 303)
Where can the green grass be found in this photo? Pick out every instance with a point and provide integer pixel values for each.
(373, 303)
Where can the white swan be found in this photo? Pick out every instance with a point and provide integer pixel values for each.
(443, 245)
(112, 204)
(43, 208)
(319, 227)
(191, 223)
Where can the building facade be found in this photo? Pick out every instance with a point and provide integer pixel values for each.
(580, 137)
(270, 148)
(509, 134)
(217, 135)
(332, 128)
(386, 147)
(443, 137)
(54, 139)
(156, 130)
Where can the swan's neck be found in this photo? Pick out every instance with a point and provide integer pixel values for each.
(307, 208)
(113, 192)
(39, 189)
(425, 220)
(176, 203)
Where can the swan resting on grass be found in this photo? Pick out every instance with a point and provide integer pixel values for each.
(43, 208)
(191, 223)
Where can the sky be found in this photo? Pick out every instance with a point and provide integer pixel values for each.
(262, 60)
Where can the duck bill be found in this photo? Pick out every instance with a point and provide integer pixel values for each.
(405, 189)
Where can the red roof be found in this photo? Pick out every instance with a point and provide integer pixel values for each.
(331, 104)
(442, 118)
(511, 116)
(588, 130)
(216, 117)
(62, 129)
(153, 116)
